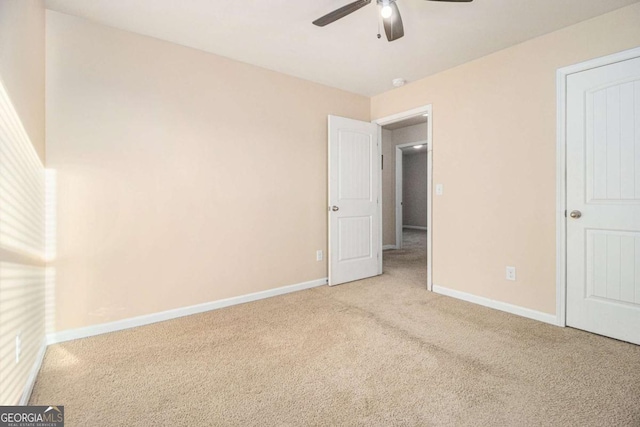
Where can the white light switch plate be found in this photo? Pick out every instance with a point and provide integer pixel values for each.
(439, 189)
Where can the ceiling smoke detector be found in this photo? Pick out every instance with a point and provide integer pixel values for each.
(398, 82)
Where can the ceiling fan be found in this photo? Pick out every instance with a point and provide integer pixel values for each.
(389, 12)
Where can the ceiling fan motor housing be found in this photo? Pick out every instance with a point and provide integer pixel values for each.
(393, 27)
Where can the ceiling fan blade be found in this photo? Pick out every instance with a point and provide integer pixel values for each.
(340, 13)
(393, 25)
(455, 1)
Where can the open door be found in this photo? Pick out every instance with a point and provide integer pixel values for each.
(354, 217)
(603, 200)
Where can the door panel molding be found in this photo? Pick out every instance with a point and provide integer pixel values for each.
(561, 168)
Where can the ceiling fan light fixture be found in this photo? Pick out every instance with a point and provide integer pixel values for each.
(393, 27)
(386, 11)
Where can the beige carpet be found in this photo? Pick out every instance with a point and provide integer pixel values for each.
(379, 352)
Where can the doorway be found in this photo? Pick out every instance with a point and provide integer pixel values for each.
(403, 135)
(411, 187)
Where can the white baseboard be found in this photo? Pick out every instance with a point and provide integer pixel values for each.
(387, 247)
(89, 331)
(33, 375)
(414, 227)
(498, 305)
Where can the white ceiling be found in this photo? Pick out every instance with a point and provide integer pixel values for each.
(278, 34)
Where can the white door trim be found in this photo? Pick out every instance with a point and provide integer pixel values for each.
(399, 189)
(561, 169)
(426, 109)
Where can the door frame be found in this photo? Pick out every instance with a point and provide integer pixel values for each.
(387, 120)
(561, 170)
(400, 189)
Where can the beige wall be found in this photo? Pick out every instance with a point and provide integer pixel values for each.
(409, 134)
(183, 177)
(22, 63)
(22, 228)
(494, 151)
(391, 138)
(414, 188)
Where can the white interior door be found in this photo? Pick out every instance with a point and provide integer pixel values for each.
(603, 200)
(354, 219)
